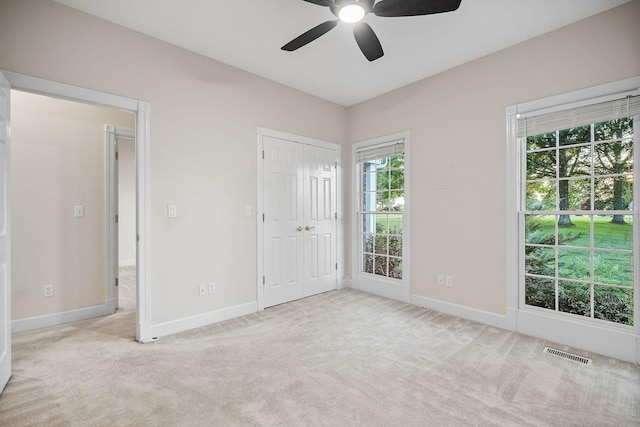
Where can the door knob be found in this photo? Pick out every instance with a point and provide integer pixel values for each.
(309, 228)
(299, 228)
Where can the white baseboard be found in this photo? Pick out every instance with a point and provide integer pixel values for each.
(381, 288)
(127, 262)
(204, 319)
(47, 320)
(476, 315)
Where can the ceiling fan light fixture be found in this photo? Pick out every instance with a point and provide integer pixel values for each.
(351, 13)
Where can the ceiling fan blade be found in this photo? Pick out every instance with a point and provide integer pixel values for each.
(392, 8)
(327, 3)
(309, 36)
(367, 41)
(367, 4)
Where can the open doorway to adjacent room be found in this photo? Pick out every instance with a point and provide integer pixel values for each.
(62, 211)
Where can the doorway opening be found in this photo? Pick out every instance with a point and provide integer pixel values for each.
(61, 209)
(140, 110)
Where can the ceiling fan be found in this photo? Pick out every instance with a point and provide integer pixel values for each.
(353, 11)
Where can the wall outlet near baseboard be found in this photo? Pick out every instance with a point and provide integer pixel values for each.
(441, 279)
(203, 290)
(47, 290)
(212, 288)
(449, 281)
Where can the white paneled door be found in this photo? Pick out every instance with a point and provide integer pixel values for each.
(319, 235)
(299, 200)
(5, 306)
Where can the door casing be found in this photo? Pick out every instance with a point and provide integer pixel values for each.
(5, 234)
(112, 134)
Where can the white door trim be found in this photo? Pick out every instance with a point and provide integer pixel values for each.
(5, 234)
(112, 211)
(141, 109)
(112, 133)
(262, 132)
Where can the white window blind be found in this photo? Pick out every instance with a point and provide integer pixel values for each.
(533, 124)
(391, 149)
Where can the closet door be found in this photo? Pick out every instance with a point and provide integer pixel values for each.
(319, 220)
(283, 220)
(299, 199)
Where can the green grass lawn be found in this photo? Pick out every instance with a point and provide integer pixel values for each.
(395, 223)
(575, 242)
(606, 234)
(609, 266)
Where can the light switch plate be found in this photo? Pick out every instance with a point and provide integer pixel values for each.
(78, 211)
(172, 211)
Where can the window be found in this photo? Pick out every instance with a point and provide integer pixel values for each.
(381, 208)
(577, 216)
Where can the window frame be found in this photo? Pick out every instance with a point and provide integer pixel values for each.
(398, 289)
(620, 341)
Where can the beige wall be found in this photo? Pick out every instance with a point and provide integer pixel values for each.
(57, 162)
(203, 141)
(458, 127)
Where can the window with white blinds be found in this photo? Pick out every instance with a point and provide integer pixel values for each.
(564, 117)
(381, 208)
(380, 151)
(579, 225)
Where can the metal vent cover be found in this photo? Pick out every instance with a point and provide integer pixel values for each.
(569, 356)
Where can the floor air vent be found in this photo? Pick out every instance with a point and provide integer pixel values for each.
(565, 355)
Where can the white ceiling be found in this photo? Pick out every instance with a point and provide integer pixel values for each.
(248, 34)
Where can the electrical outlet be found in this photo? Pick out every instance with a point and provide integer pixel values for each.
(212, 288)
(47, 290)
(202, 290)
(449, 281)
(441, 279)
(78, 211)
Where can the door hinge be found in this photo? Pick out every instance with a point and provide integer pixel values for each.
(116, 281)
(336, 165)
(116, 218)
(263, 280)
(263, 154)
(116, 155)
(336, 215)
(262, 217)
(336, 265)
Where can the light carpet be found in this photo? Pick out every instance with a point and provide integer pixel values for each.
(342, 358)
